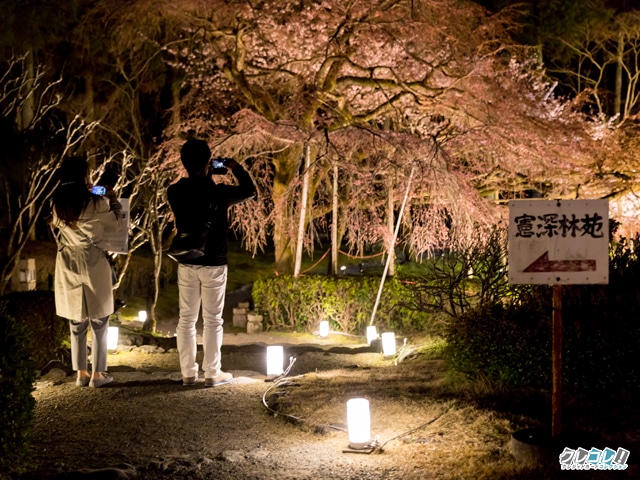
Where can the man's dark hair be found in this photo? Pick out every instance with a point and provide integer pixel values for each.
(195, 155)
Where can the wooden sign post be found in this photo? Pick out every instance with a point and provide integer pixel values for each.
(556, 243)
(556, 362)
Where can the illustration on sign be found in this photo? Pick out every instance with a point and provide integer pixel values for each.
(556, 242)
(543, 264)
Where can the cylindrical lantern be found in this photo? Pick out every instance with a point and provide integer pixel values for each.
(275, 359)
(324, 328)
(112, 338)
(142, 316)
(388, 344)
(358, 423)
(372, 334)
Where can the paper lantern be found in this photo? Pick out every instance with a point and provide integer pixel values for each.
(275, 360)
(112, 338)
(358, 423)
(372, 334)
(388, 344)
(324, 328)
(142, 316)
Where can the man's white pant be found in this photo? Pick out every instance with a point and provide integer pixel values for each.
(198, 284)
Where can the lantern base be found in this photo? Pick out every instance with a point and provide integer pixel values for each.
(369, 448)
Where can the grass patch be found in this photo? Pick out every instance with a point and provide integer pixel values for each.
(245, 269)
(454, 426)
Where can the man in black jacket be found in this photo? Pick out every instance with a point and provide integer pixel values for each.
(195, 201)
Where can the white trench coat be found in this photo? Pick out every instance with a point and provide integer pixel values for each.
(83, 284)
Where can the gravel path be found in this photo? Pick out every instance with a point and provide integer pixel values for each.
(152, 426)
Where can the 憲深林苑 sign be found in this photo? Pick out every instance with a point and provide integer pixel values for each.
(559, 241)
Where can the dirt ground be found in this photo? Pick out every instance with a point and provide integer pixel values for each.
(147, 420)
(146, 425)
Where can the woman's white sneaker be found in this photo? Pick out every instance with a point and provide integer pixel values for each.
(100, 382)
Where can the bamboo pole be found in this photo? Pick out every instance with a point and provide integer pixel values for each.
(303, 210)
(392, 245)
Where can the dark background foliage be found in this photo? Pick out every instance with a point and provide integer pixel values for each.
(509, 340)
(17, 375)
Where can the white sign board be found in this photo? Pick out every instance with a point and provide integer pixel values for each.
(559, 241)
(117, 241)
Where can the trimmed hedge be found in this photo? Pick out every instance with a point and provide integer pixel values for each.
(299, 303)
(17, 375)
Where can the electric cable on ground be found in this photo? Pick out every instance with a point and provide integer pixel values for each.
(415, 429)
(378, 447)
(277, 381)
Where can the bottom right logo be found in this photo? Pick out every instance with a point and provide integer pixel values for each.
(594, 459)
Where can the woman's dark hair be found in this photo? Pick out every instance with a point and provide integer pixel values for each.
(72, 196)
(195, 155)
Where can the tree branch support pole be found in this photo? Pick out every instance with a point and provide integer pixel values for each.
(556, 392)
(392, 251)
(392, 245)
(334, 222)
(303, 210)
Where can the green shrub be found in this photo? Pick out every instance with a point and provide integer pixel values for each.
(472, 278)
(601, 330)
(508, 338)
(17, 374)
(37, 311)
(506, 343)
(299, 303)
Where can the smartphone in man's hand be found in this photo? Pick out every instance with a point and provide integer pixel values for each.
(217, 166)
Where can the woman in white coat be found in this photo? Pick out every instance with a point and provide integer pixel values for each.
(83, 276)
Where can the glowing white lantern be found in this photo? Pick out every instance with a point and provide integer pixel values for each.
(358, 423)
(112, 338)
(372, 334)
(324, 328)
(142, 315)
(275, 359)
(388, 344)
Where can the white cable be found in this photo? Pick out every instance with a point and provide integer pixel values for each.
(279, 380)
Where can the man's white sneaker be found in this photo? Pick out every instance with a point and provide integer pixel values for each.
(220, 379)
(189, 381)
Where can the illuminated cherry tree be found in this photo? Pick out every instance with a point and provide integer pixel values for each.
(371, 93)
(377, 87)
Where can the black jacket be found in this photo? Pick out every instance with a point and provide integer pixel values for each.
(196, 199)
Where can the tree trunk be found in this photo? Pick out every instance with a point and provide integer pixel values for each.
(152, 298)
(285, 164)
(27, 112)
(617, 102)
